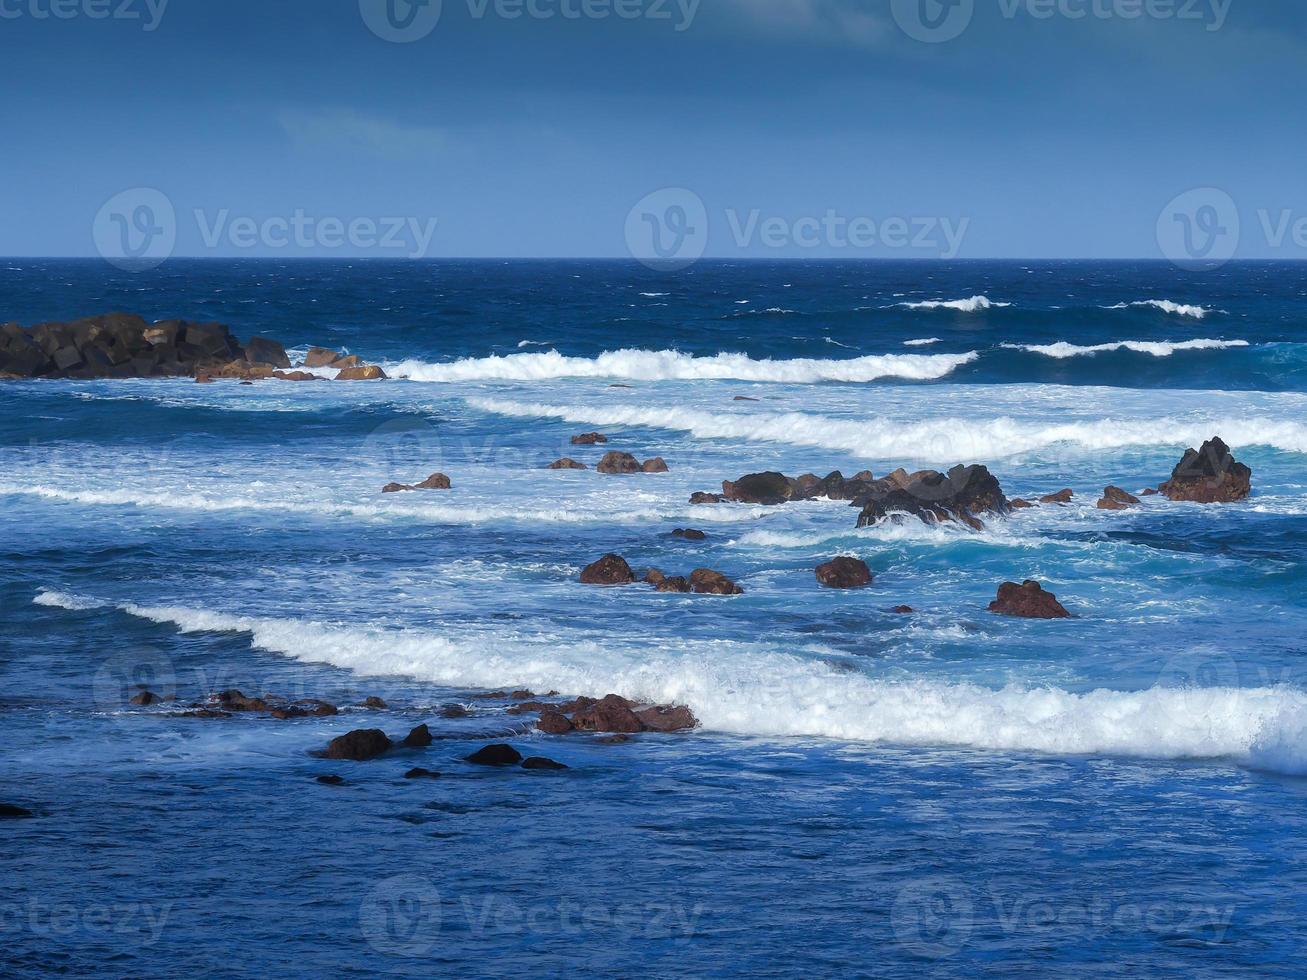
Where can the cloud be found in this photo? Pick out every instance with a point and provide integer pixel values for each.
(827, 21)
(348, 128)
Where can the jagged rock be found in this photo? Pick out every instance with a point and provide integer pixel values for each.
(358, 746)
(589, 439)
(619, 463)
(768, 489)
(1210, 475)
(705, 581)
(1061, 497)
(554, 723)
(1027, 601)
(700, 497)
(960, 495)
(655, 465)
(609, 714)
(608, 570)
(615, 714)
(844, 573)
(567, 464)
(667, 718)
(1114, 498)
(418, 738)
(369, 373)
(495, 755)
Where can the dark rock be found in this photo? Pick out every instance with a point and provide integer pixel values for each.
(614, 740)
(745, 398)
(454, 711)
(619, 463)
(1028, 601)
(700, 497)
(1016, 503)
(396, 488)
(436, 481)
(608, 570)
(375, 703)
(146, 698)
(962, 494)
(674, 583)
(567, 464)
(689, 534)
(768, 489)
(495, 755)
(663, 718)
(1150, 492)
(903, 610)
(1061, 497)
(418, 738)
(1210, 475)
(233, 700)
(358, 746)
(655, 465)
(10, 812)
(1114, 498)
(705, 581)
(421, 774)
(331, 780)
(609, 714)
(554, 723)
(654, 577)
(589, 439)
(538, 762)
(522, 695)
(260, 350)
(844, 573)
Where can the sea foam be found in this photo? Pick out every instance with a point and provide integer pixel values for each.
(1062, 349)
(747, 689)
(970, 305)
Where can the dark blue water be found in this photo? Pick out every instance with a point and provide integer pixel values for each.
(870, 794)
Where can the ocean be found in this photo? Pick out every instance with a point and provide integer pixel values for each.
(870, 793)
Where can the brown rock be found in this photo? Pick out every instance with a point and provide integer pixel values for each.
(609, 714)
(396, 488)
(903, 610)
(553, 723)
(539, 763)
(707, 582)
(358, 746)
(1027, 601)
(436, 481)
(689, 534)
(1061, 497)
(767, 489)
(1018, 504)
(373, 702)
(676, 583)
(700, 497)
(369, 373)
(589, 439)
(567, 464)
(619, 463)
(320, 357)
(1114, 498)
(663, 718)
(653, 577)
(145, 699)
(350, 361)
(844, 573)
(655, 465)
(1210, 475)
(608, 570)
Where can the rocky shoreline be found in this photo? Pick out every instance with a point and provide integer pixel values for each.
(123, 345)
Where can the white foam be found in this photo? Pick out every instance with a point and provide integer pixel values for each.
(670, 365)
(746, 689)
(923, 342)
(1166, 306)
(1062, 349)
(940, 440)
(970, 305)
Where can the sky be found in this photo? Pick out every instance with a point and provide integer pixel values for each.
(655, 128)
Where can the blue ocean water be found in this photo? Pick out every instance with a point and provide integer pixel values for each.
(870, 794)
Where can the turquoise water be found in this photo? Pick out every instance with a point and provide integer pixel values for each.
(870, 793)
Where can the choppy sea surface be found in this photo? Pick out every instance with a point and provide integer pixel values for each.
(871, 794)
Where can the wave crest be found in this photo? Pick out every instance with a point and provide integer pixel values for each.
(1157, 348)
(969, 305)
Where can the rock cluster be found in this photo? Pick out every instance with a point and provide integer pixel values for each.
(625, 463)
(436, 481)
(614, 714)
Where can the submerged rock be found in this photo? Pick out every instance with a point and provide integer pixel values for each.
(145, 699)
(540, 763)
(436, 481)
(418, 738)
(10, 812)
(608, 570)
(421, 774)
(358, 746)
(844, 573)
(374, 703)
(689, 534)
(618, 463)
(495, 755)
(700, 497)
(1027, 601)
(331, 780)
(589, 439)
(567, 464)
(1210, 475)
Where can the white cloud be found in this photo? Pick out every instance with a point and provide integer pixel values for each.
(369, 134)
(828, 21)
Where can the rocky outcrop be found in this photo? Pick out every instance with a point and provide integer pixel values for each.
(436, 481)
(608, 570)
(705, 581)
(962, 494)
(1027, 601)
(123, 345)
(358, 746)
(844, 573)
(1210, 475)
(567, 464)
(1061, 497)
(615, 714)
(625, 463)
(771, 489)
(1114, 498)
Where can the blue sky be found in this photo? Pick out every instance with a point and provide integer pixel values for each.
(1045, 128)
